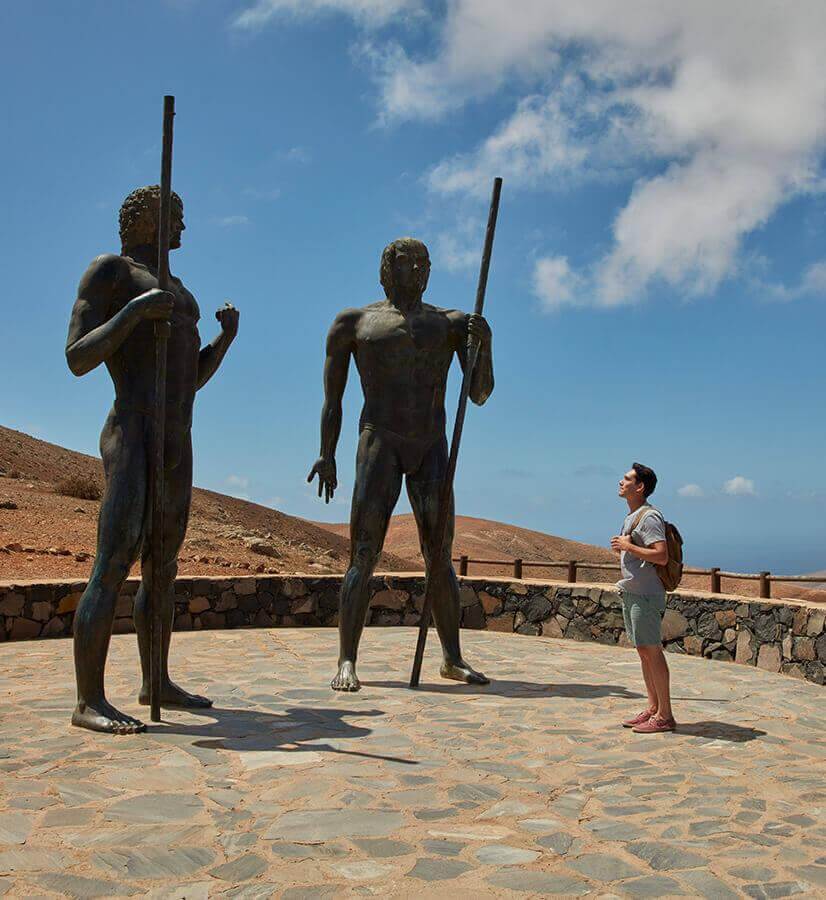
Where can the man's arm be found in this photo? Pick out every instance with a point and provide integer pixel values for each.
(93, 337)
(211, 356)
(336, 364)
(656, 553)
(481, 381)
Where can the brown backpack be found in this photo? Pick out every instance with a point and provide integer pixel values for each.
(672, 572)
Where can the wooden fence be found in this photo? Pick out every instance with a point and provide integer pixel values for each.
(715, 574)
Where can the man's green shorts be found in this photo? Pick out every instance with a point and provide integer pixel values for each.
(643, 618)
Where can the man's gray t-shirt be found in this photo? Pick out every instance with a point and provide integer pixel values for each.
(639, 576)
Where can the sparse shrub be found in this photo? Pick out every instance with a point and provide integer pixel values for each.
(79, 486)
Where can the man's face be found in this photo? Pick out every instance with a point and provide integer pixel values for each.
(410, 270)
(629, 486)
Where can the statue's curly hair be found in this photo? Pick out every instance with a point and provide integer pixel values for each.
(138, 217)
(389, 255)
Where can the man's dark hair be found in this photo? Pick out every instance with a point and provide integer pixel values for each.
(646, 477)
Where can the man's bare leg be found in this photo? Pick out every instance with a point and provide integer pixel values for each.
(378, 482)
(649, 680)
(660, 677)
(424, 489)
(177, 500)
(119, 539)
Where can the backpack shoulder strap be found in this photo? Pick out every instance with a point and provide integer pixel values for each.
(640, 516)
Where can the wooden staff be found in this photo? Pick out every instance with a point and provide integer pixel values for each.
(156, 599)
(447, 486)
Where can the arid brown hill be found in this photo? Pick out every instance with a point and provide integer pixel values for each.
(44, 533)
(485, 539)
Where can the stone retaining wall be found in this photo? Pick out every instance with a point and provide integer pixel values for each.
(778, 636)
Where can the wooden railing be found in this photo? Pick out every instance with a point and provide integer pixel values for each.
(572, 566)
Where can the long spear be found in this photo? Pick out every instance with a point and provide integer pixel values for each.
(447, 486)
(156, 600)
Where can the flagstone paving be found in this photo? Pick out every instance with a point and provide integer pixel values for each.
(527, 787)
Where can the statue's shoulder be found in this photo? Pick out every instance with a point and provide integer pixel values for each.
(453, 316)
(103, 273)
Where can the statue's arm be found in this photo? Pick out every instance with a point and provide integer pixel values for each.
(336, 365)
(340, 340)
(481, 379)
(93, 335)
(211, 356)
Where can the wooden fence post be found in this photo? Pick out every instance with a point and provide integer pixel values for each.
(517, 568)
(571, 571)
(463, 565)
(715, 580)
(765, 585)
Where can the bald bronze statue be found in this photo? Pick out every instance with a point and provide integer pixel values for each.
(403, 349)
(112, 323)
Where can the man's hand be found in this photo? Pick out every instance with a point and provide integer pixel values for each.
(477, 327)
(621, 543)
(155, 305)
(326, 471)
(228, 316)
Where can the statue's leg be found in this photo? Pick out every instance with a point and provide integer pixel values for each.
(177, 500)
(120, 523)
(378, 482)
(424, 488)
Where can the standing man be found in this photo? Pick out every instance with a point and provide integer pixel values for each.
(403, 349)
(642, 546)
(112, 323)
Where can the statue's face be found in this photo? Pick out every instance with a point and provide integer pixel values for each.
(176, 226)
(411, 269)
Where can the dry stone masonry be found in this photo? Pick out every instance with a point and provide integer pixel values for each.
(778, 636)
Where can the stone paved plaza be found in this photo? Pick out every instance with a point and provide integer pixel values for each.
(525, 788)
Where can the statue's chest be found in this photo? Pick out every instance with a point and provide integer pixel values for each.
(390, 341)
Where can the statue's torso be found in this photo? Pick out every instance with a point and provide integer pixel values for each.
(403, 361)
(132, 366)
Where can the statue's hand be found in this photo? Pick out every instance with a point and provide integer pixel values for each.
(228, 316)
(155, 304)
(326, 471)
(477, 327)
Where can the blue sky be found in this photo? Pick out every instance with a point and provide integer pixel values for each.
(658, 283)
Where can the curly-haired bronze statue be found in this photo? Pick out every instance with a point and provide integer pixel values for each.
(112, 323)
(403, 349)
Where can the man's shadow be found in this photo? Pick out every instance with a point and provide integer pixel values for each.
(720, 731)
(296, 730)
(517, 689)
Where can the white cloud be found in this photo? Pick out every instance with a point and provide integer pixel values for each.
(231, 221)
(298, 155)
(238, 481)
(739, 487)
(812, 284)
(555, 283)
(726, 101)
(263, 193)
(369, 13)
(691, 490)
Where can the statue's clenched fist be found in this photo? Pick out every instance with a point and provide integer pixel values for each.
(228, 316)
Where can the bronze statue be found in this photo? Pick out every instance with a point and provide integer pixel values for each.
(112, 322)
(403, 349)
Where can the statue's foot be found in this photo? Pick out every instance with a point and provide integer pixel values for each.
(102, 716)
(172, 695)
(346, 678)
(461, 671)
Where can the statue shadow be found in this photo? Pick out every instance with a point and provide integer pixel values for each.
(720, 731)
(518, 689)
(295, 730)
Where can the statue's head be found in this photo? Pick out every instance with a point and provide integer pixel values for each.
(405, 263)
(139, 218)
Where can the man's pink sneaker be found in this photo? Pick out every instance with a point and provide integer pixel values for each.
(638, 719)
(655, 725)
